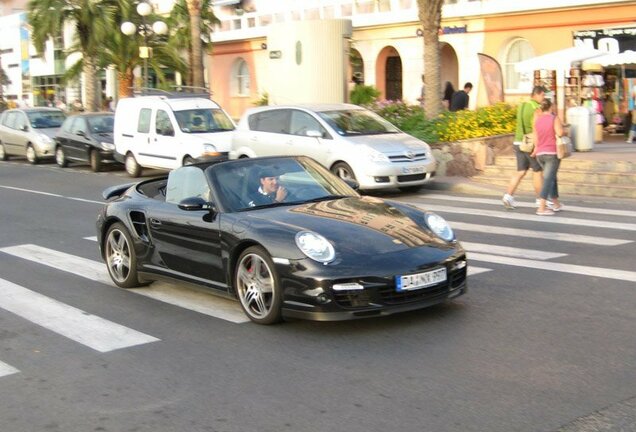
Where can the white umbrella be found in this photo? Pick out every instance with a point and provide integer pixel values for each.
(558, 60)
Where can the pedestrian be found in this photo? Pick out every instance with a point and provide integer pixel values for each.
(632, 129)
(547, 126)
(460, 99)
(449, 90)
(525, 125)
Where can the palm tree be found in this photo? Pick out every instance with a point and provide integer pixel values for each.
(430, 14)
(92, 21)
(182, 37)
(196, 66)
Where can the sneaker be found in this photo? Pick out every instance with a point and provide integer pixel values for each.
(546, 212)
(548, 203)
(509, 202)
(556, 209)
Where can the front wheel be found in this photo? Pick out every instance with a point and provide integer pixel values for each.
(132, 167)
(60, 157)
(257, 286)
(95, 160)
(121, 259)
(31, 156)
(343, 170)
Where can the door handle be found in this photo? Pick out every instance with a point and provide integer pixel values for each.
(155, 222)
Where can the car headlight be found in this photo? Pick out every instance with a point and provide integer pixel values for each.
(107, 145)
(374, 155)
(315, 246)
(439, 226)
(45, 139)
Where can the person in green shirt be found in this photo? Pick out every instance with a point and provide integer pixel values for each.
(525, 121)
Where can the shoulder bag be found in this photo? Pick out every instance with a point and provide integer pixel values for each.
(527, 142)
(564, 147)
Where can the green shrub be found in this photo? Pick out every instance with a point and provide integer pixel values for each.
(363, 94)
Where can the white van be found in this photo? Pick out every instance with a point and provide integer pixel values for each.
(167, 132)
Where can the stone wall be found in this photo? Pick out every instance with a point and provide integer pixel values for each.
(467, 158)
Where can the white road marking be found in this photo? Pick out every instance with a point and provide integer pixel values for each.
(93, 238)
(518, 232)
(510, 251)
(51, 194)
(607, 273)
(6, 369)
(90, 330)
(205, 303)
(569, 208)
(556, 219)
(472, 271)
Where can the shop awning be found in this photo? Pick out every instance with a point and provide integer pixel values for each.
(558, 60)
(618, 59)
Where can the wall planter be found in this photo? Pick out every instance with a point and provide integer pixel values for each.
(467, 158)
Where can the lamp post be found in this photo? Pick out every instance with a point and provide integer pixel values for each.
(145, 30)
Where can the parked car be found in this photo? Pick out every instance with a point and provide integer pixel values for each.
(169, 131)
(29, 132)
(353, 142)
(321, 252)
(86, 137)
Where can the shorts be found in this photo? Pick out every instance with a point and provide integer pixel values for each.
(525, 162)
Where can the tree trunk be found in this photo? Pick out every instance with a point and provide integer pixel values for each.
(430, 14)
(90, 81)
(126, 81)
(196, 67)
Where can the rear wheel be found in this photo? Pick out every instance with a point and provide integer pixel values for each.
(60, 157)
(121, 259)
(31, 156)
(257, 286)
(3, 154)
(96, 161)
(132, 167)
(343, 170)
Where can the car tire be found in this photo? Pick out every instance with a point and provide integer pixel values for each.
(121, 259)
(260, 294)
(3, 153)
(343, 170)
(132, 167)
(60, 157)
(95, 160)
(31, 155)
(188, 160)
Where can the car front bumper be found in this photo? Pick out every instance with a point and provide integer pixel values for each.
(394, 174)
(308, 289)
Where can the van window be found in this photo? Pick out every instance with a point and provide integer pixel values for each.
(203, 120)
(143, 126)
(275, 121)
(163, 125)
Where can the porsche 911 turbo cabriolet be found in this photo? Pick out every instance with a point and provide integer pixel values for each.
(284, 236)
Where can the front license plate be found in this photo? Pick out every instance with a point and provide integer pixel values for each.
(420, 280)
(414, 169)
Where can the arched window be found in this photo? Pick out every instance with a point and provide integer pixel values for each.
(518, 50)
(241, 78)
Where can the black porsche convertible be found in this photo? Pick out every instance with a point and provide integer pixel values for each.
(315, 250)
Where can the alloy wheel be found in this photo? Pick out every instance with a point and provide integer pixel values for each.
(60, 157)
(255, 284)
(118, 256)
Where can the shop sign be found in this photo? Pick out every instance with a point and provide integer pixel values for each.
(612, 40)
(454, 29)
(276, 54)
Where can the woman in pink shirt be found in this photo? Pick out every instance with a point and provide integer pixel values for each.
(546, 127)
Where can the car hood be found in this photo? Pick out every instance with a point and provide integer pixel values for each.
(104, 137)
(390, 143)
(49, 132)
(222, 141)
(355, 225)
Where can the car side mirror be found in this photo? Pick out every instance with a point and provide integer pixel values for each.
(314, 134)
(81, 133)
(353, 184)
(24, 128)
(196, 203)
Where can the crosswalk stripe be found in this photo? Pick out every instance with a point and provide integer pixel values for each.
(90, 330)
(50, 194)
(92, 238)
(628, 276)
(472, 270)
(79, 266)
(518, 232)
(6, 369)
(569, 208)
(204, 303)
(557, 219)
(511, 251)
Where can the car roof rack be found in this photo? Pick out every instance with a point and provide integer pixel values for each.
(179, 91)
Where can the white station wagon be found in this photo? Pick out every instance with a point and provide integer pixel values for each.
(351, 141)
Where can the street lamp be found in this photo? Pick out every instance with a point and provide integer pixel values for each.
(145, 30)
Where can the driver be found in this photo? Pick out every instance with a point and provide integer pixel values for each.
(269, 190)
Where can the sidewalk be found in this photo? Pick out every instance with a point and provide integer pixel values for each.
(613, 148)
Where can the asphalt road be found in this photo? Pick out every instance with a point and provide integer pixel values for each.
(545, 340)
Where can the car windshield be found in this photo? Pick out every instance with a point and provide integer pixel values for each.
(203, 120)
(240, 187)
(357, 122)
(46, 119)
(101, 124)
